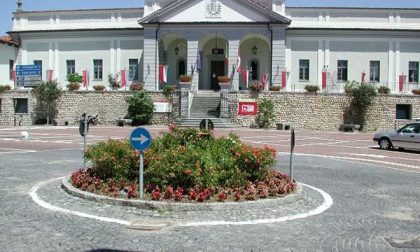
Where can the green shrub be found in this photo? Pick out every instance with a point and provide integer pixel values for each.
(114, 159)
(140, 108)
(265, 113)
(362, 98)
(74, 78)
(312, 88)
(168, 90)
(184, 158)
(349, 86)
(46, 96)
(384, 90)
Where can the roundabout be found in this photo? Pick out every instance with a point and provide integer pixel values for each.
(308, 201)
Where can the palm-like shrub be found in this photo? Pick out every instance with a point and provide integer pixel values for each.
(140, 108)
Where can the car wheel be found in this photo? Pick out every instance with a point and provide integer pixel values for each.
(385, 144)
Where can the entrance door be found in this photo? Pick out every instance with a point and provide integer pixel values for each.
(217, 69)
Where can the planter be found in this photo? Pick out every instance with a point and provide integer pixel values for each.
(185, 83)
(224, 85)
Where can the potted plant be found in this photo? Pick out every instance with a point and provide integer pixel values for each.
(168, 89)
(4, 88)
(74, 81)
(312, 89)
(137, 86)
(257, 86)
(275, 88)
(114, 84)
(99, 88)
(224, 80)
(185, 79)
(416, 91)
(384, 90)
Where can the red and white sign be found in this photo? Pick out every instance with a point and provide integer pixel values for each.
(247, 108)
(324, 79)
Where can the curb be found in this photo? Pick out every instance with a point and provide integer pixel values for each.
(171, 206)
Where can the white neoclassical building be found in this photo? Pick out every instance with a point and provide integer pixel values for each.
(286, 46)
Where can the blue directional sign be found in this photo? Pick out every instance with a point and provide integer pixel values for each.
(28, 75)
(140, 139)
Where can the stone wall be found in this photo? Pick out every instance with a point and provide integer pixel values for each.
(324, 111)
(110, 106)
(303, 111)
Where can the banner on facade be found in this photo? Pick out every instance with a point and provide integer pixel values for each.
(85, 78)
(245, 76)
(123, 78)
(163, 73)
(401, 81)
(198, 61)
(363, 77)
(265, 78)
(50, 75)
(324, 79)
(283, 79)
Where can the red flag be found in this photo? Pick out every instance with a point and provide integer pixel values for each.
(163, 73)
(50, 75)
(265, 78)
(238, 61)
(283, 79)
(363, 77)
(123, 78)
(324, 79)
(85, 78)
(401, 82)
(13, 75)
(245, 76)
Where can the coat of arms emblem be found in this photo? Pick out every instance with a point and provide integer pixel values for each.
(213, 9)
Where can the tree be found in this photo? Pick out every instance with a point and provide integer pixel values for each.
(363, 97)
(47, 95)
(140, 108)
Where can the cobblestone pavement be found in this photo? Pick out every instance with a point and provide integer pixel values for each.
(375, 208)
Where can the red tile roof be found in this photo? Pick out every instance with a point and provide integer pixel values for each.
(8, 40)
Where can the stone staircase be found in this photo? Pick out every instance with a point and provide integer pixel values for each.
(205, 105)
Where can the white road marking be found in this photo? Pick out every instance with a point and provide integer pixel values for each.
(48, 206)
(363, 155)
(327, 203)
(16, 152)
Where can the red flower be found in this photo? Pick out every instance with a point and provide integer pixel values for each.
(188, 172)
(156, 194)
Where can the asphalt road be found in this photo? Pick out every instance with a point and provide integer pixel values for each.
(375, 196)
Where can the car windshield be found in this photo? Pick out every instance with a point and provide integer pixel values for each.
(411, 128)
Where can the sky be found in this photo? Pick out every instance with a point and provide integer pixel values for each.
(7, 7)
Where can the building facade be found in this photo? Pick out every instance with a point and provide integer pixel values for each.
(8, 52)
(262, 40)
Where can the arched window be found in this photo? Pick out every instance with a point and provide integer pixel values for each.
(254, 67)
(182, 67)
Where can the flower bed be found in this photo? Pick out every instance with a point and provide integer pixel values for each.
(184, 166)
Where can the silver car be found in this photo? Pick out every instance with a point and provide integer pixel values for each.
(408, 137)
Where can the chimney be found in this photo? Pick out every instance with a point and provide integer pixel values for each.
(19, 6)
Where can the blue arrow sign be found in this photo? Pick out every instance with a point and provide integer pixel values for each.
(140, 139)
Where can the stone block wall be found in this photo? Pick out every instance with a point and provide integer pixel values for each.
(110, 106)
(324, 112)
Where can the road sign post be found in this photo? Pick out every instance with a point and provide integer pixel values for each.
(29, 113)
(85, 133)
(292, 150)
(140, 140)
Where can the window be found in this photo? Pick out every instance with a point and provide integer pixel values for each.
(11, 64)
(182, 67)
(71, 66)
(403, 111)
(97, 69)
(253, 66)
(342, 70)
(133, 69)
(20, 105)
(413, 71)
(38, 63)
(375, 67)
(304, 70)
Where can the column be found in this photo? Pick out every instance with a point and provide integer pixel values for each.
(50, 55)
(233, 57)
(391, 68)
(112, 57)
(24, 60)
(397, 64)
(56, 61)
(118, 54)
(192, 52)
(279, 52)
(150, 62)
(288, 67)
(320, 65)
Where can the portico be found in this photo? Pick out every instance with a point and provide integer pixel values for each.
(208, 39)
